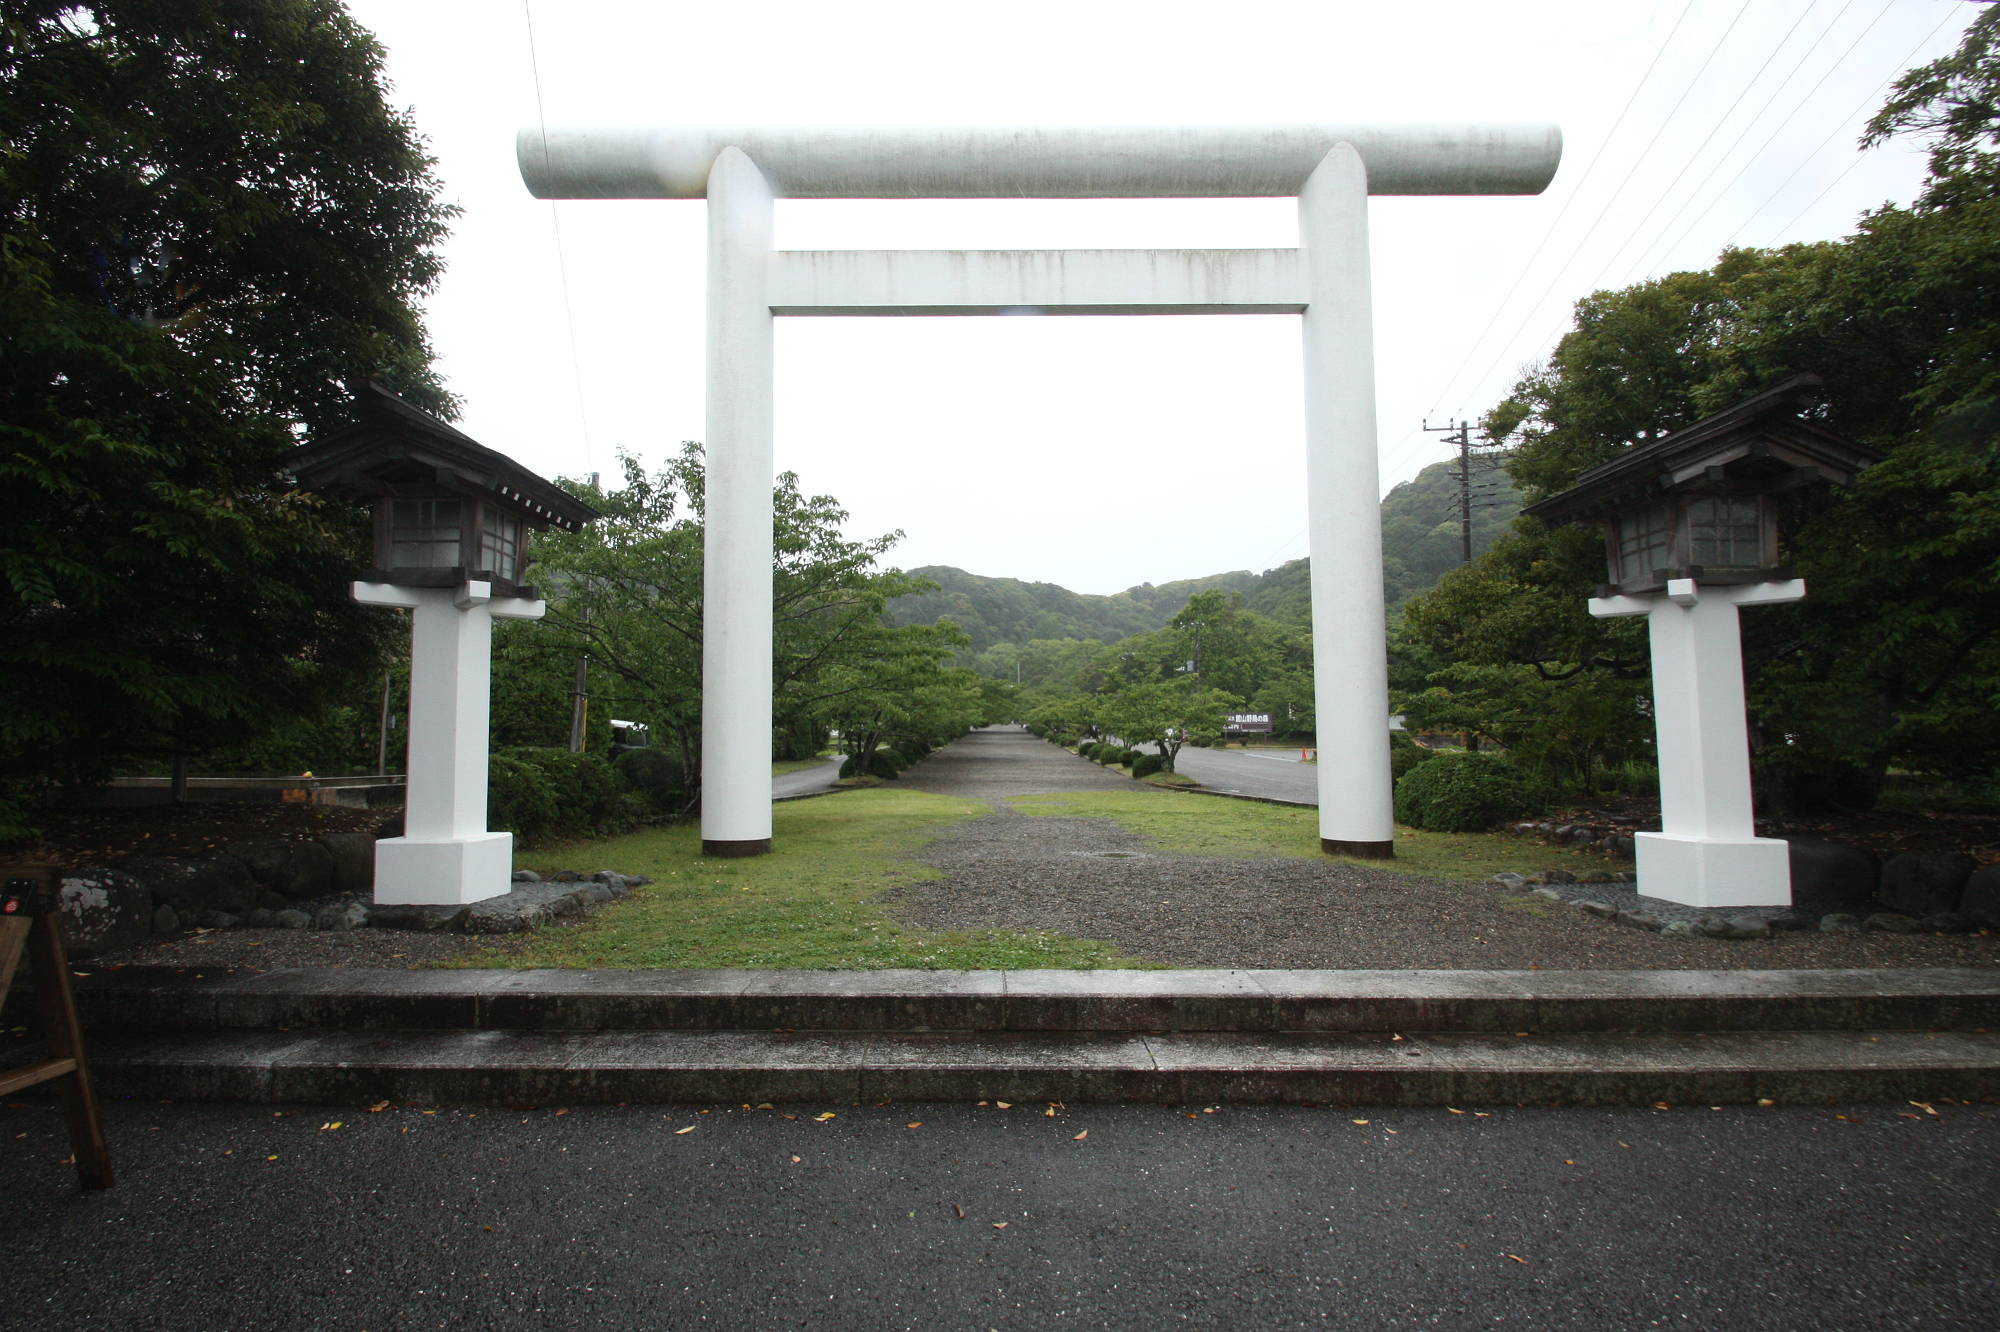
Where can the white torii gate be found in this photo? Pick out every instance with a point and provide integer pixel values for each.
(1331, 168)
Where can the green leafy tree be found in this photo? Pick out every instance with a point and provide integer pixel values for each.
(1167, 715)
(210, 221)
(628, 591)
(1894, 659)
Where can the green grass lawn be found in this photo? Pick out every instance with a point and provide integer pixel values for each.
(1207, 826)
(780, 767)
(814, 902)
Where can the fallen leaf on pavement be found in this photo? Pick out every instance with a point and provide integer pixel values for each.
(329, 1125)
(999, 1225)
(915, 1123)
(1081, 1136)
(689, 1129)
(378, 1107)
(959, 1210)
(823, 1118)
(1517, 1257)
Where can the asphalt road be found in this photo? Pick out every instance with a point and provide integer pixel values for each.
(1273, 774)
(833, 1216)
(806, 781)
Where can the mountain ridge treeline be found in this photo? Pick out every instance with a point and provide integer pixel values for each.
(1420, 542)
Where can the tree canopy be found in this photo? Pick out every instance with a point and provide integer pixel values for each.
(211, 219)
(1893, 659)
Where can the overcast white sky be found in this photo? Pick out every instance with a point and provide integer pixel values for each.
(1102, 452)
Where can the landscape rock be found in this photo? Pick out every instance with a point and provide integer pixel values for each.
(1511, 880)
(1681, 929)
(340, 916)
(259, 919)
(1639, 920)
(1839, 922)
(1980, 901)
(192, 886)
(290, 919)
(1831, 877)
(1889, 922)
(1601, 909)
(1924, 882)
(526, 876)
(1748, 927)
(1946, 922)
(219, 920)
(353, 856)
(166, 920)
(103, 910)
(414, 916)
(295, 871)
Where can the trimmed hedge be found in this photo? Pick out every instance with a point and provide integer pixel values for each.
(1465, 793)
(653, 773)
(539, 793)
(1145, 765)
(1405, 754)
(882, 762)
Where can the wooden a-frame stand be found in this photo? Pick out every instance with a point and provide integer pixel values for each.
(28, 923)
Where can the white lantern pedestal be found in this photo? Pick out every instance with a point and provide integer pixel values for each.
(1707, 853)
(446, 856)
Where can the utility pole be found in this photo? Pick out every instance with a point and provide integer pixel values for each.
(579, 707)
(1470, 492)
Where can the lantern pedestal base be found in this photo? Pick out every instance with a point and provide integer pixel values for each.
(1710, 872)
(443, 871)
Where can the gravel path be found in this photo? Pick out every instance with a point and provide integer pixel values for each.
(1087, 878)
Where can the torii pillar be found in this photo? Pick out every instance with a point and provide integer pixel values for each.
(1331, 169)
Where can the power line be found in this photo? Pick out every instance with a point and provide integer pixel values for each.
(1845, 121)
(562, 263)
(1677, 173)
(1658, 253)
(1636, 163)
(1574, 194)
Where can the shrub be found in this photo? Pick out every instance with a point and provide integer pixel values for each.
(520, 798)
(1465, 793)
(1129, 757)
(537, 793)
(1145, 765)
(885, 763)
(1087, 749)
(654, 774)
(1405, 754)
(1110, 755)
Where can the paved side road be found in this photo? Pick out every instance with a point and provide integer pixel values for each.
(834, 1216)
(1270, 775)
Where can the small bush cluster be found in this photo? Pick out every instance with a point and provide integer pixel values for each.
(1405, 754)
(1465, 793)
(540, 793)
(1145, 765)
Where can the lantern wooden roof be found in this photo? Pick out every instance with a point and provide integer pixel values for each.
(1761, 444)
(397, 449)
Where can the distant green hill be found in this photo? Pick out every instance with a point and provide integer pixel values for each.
(1420, 541)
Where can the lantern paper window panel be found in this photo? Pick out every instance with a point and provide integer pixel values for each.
(1644, 537)
(1726, 532)
(425, 533)
(500, 544)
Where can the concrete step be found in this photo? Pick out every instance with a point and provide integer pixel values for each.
(1407, 1002)
(522, 1068)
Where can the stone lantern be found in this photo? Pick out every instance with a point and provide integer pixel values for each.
(1691, 534)
(451, 524)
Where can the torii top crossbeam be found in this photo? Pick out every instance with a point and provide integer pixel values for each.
(1216, 162)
